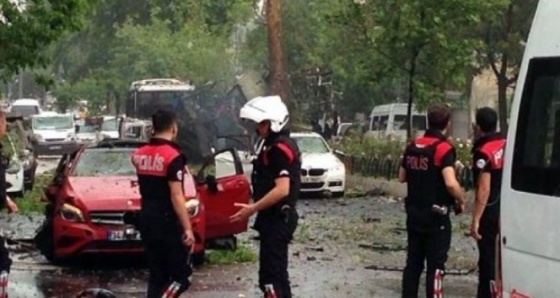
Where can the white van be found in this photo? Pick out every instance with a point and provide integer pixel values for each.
(529, 239)
(26, 107)
(54, 134)
(390, 119)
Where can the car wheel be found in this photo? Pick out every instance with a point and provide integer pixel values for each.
(338, 194)
(44, 241)
(198, 259)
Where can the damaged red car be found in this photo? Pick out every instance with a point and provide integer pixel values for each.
(94, 190)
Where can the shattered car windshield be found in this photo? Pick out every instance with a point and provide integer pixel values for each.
(54, 122)
(97, 162)
(311, 145)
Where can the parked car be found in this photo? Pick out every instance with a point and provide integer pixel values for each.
(110, 127)
(321, 170)
(87, 134)
(54, 133)
(26, 107)
(20, 174)
(95, 190)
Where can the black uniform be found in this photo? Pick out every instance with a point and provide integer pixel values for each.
(276, 225)
(157, 164)
(429, 232)
(5, 261)
(488, 152)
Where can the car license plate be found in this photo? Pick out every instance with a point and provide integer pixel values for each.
(55, 147)
(310, 180)
(123, 235)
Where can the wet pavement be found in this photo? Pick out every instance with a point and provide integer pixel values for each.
(336, 241)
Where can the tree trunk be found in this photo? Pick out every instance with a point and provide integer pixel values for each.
(278, 84)
(502, 103)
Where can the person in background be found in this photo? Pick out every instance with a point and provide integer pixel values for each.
(276, 185)
(164, 222)
(488, 164)
(428, 168)
(5, 202)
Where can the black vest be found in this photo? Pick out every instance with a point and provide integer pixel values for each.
(426, 186)
(492, 146)
(263, 176)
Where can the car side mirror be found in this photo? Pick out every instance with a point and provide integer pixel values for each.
(77, 128)
(212, 184)
(338, 152)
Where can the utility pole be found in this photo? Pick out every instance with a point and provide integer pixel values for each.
(278, 78)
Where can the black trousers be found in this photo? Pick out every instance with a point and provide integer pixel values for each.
(488, 229)
(431, 247)
(168, 263)
(275, 233)
(5, 261)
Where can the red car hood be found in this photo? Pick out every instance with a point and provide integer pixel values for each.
(106, 193)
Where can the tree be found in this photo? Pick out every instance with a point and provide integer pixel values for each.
(134, 39)
(27, 29)
(504, 33)
(277, 59)
(423, 39)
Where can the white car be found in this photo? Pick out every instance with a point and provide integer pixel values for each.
(321, 170)
(110, 127)
(15, 172)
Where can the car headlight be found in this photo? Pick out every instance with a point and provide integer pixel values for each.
(38, 137)
(14, 167)
(71, 213)
(339, 167)
(193, 207)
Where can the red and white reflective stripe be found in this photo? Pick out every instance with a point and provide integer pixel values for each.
(438, 284)
(172, 290)
(4, 284)
(495, 288)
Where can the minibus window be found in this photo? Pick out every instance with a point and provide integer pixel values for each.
(536, 156)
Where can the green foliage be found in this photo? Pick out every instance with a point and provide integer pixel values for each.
(27, 29)
(32, 200)
(130, 40)
(242, 254)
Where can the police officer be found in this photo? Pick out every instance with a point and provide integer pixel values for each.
(276, 185)
(5, 202)
(428, 166)
(488, 162)
(164, 222)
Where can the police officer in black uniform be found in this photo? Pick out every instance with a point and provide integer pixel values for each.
(488, 163)
(428, 166)
(5, 202)
(164, 221)
(276, 185)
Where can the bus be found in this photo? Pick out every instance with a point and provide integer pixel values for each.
(146, 96)
(529, 240)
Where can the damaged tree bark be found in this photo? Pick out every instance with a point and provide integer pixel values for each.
(278, 77)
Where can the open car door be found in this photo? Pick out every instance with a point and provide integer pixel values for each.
(221, 183)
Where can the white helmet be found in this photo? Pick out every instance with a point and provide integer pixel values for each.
(263, 108)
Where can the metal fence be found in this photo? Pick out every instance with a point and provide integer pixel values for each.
(388, 168)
